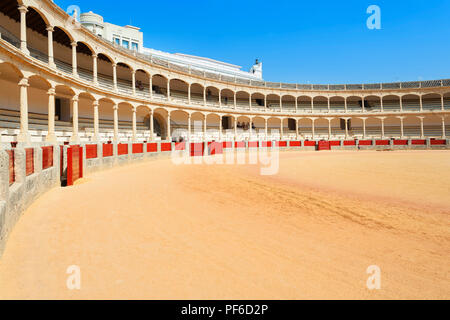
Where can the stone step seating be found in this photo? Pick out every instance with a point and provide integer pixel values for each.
(109, 124)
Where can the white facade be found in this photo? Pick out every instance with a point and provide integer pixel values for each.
(132, 38)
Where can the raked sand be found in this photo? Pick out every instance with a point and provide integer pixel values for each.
(155, 230)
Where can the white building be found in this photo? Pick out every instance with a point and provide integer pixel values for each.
(132, 38)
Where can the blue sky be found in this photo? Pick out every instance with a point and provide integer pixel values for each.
(297, 41)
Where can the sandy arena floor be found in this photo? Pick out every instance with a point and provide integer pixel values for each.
(158, 231)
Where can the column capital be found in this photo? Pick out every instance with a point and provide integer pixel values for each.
(95, 103)
(50, 28)
(23, 9)
(134, 109)
(51, 92)
(73, 44)
(94, 56)
(75, 98)
(116, 107)
(24, 82)
(114, 65)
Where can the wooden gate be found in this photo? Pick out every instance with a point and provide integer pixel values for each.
(74, 164)
(323, 145)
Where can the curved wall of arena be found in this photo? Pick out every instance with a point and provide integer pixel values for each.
(104, 95)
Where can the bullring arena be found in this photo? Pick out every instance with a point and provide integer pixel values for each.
(362, 176)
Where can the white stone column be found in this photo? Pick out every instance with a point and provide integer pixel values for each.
(363, 103)
(133, 82)
(364, 127)
(169, 136)
(281, 129)
(204, 128)
(96, 121)
(24, 135)
(250, 101)
(204, 96)
(23, 29)
(116, 122)
(220, 98)
(51, 59)
(220, 128)
(329, 128)
(168, 89)
(382, 128)
(381, 104)
(265, 103)
(189, 126)
(296, 128)
(345, 105)
(442, 102)
(235, 102)
(421, 103)
(443, 127)
(402, 132)
(265, 128)
(134, 125)
(312, 105)
(75, 138)
(250, 128)
(401, 103)
(94, 69)
(422, 133)
(329, 105)
(74, 59)
(296, 104)
(115, 76)
(313, 128)
(152, 134)
(189, 94)
(51, 137)
(235, 127)
(281, 104)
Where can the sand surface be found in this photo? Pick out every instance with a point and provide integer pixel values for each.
(156, 230)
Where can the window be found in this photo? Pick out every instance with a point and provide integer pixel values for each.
(135, 46)
(117, 41)
(126, 44)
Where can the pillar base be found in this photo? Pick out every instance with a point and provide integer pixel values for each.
(51, 137)
(75, 139)
(23, 137)
(52, 65)
(25, 50)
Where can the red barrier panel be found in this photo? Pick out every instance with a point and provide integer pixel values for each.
(295, 143)
(365, 142)
(382, 142)
(180, 146)
(266, 144)
(138, 148)
(74, 164)
(239, 144)
(12, 174)
(335, 143)
(253, 144)
(349, 143)
(197, 149)
(309, 144)
(400, 142)
(215, 148)
(91, 151)
(418, 142)
(323, 145)
(122, 149)
(438, 142)
(152, 147)
(47, 157)
(29, 159)
(108, 150)
(227, 145)
(281, 144)
(166, 146)
(61, 160)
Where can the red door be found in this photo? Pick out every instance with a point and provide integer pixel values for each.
(74, 164)
(324, 145)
